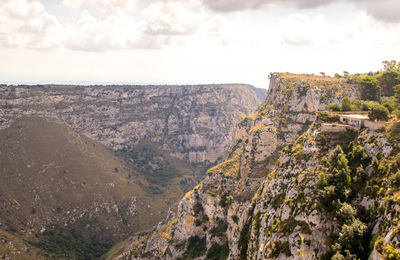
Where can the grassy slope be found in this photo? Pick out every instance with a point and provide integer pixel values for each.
(50, 175)
(15, 248)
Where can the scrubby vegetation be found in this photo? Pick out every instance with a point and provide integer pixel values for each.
(196, 247)
(343, 180)
(219, 229)
(70, 243)
(337, 187)
(379, 93)
(244, 241)
(218, 252)
(229, 168)
(157, 166)
(318, 190)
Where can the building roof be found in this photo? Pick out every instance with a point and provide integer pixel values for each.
(355, 116)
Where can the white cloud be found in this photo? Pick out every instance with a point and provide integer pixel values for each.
(369, 30)
(94, 35)
(163, 23)
(175, 23)
(105, 6)
(72, 3)
(27, 24)
(171, 18)
(301, 30)
(216, 25)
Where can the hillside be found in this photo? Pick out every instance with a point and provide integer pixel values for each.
(215, 217)
(57, 183)
(192, 123)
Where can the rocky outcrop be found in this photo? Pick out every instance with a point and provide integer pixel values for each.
(191, 122)
(323, 201)
(232, 213)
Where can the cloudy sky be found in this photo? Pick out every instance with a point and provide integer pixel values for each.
(192, 41)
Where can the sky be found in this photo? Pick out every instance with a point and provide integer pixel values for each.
(192, 41)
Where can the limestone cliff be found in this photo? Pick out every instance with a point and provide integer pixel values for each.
(222, 217)
(191, 122)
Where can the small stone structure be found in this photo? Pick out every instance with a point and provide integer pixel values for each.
(352, 120)
(355, 120)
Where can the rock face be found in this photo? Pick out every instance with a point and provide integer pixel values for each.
(97, 164)
(267, 199)
(191, 122)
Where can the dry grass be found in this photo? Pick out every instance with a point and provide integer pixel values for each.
(51, 175)
(312, 79)
(15, 248)
(167, 231)
(228, 168)
(325, 82)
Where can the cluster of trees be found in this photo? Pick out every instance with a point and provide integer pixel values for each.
(336, 190)
(380, 92)
(376, 84)
(64, 243)
(376, 110)
(382, 83)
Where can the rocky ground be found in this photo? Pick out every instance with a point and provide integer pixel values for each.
(191, 122)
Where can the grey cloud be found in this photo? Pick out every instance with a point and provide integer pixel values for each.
(239, 5)
(233, 5)
(385, 10)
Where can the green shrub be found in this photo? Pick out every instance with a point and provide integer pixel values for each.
(70, 243)
(180, 245)
(280, 247)
(346, 104)
(333, 107)
(351, 236)
(395, 179)
(219, 229)
(244, 241)
(360, 176)
(340, 175)
(257, 224)
(378, 112)
(218, 252)
(196, 247)
(387, 80)
(358, 156)
(369, 88)
(389, 106)
(322, 181)
(198, 208)
(235, 218)
(327, 117)
(225, 200)
(327, 195)
(346, 213)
